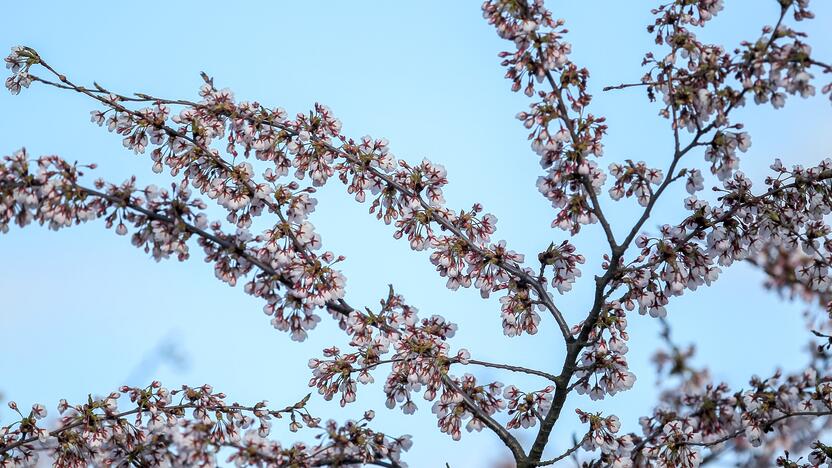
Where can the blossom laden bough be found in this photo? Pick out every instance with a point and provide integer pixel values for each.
(262, 168)
(187, 426)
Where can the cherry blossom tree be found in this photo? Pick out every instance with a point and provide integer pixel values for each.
(259, 165)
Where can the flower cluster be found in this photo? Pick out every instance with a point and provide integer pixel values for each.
(19, 62)
(675, 445)
(525, 408)
(453, 407)
(603, 367)
(562, 141)
(420, 361)
(634, 179)
(564, 261)
(519, 310)
(786, 274)
(602, 435)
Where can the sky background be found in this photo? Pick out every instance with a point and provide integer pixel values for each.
(82, 311)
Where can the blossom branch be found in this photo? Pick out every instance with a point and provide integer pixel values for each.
(438, 216)
(509, 440)
(163, 433)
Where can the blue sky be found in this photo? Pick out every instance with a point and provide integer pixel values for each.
(82, 309)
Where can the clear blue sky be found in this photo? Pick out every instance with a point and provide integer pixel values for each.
(81, 309)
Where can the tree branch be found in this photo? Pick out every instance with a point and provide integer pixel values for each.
(508, 439)
(514, 270)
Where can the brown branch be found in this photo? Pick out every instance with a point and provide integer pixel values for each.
(524, 370)
(565, 454)
(626, 85)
